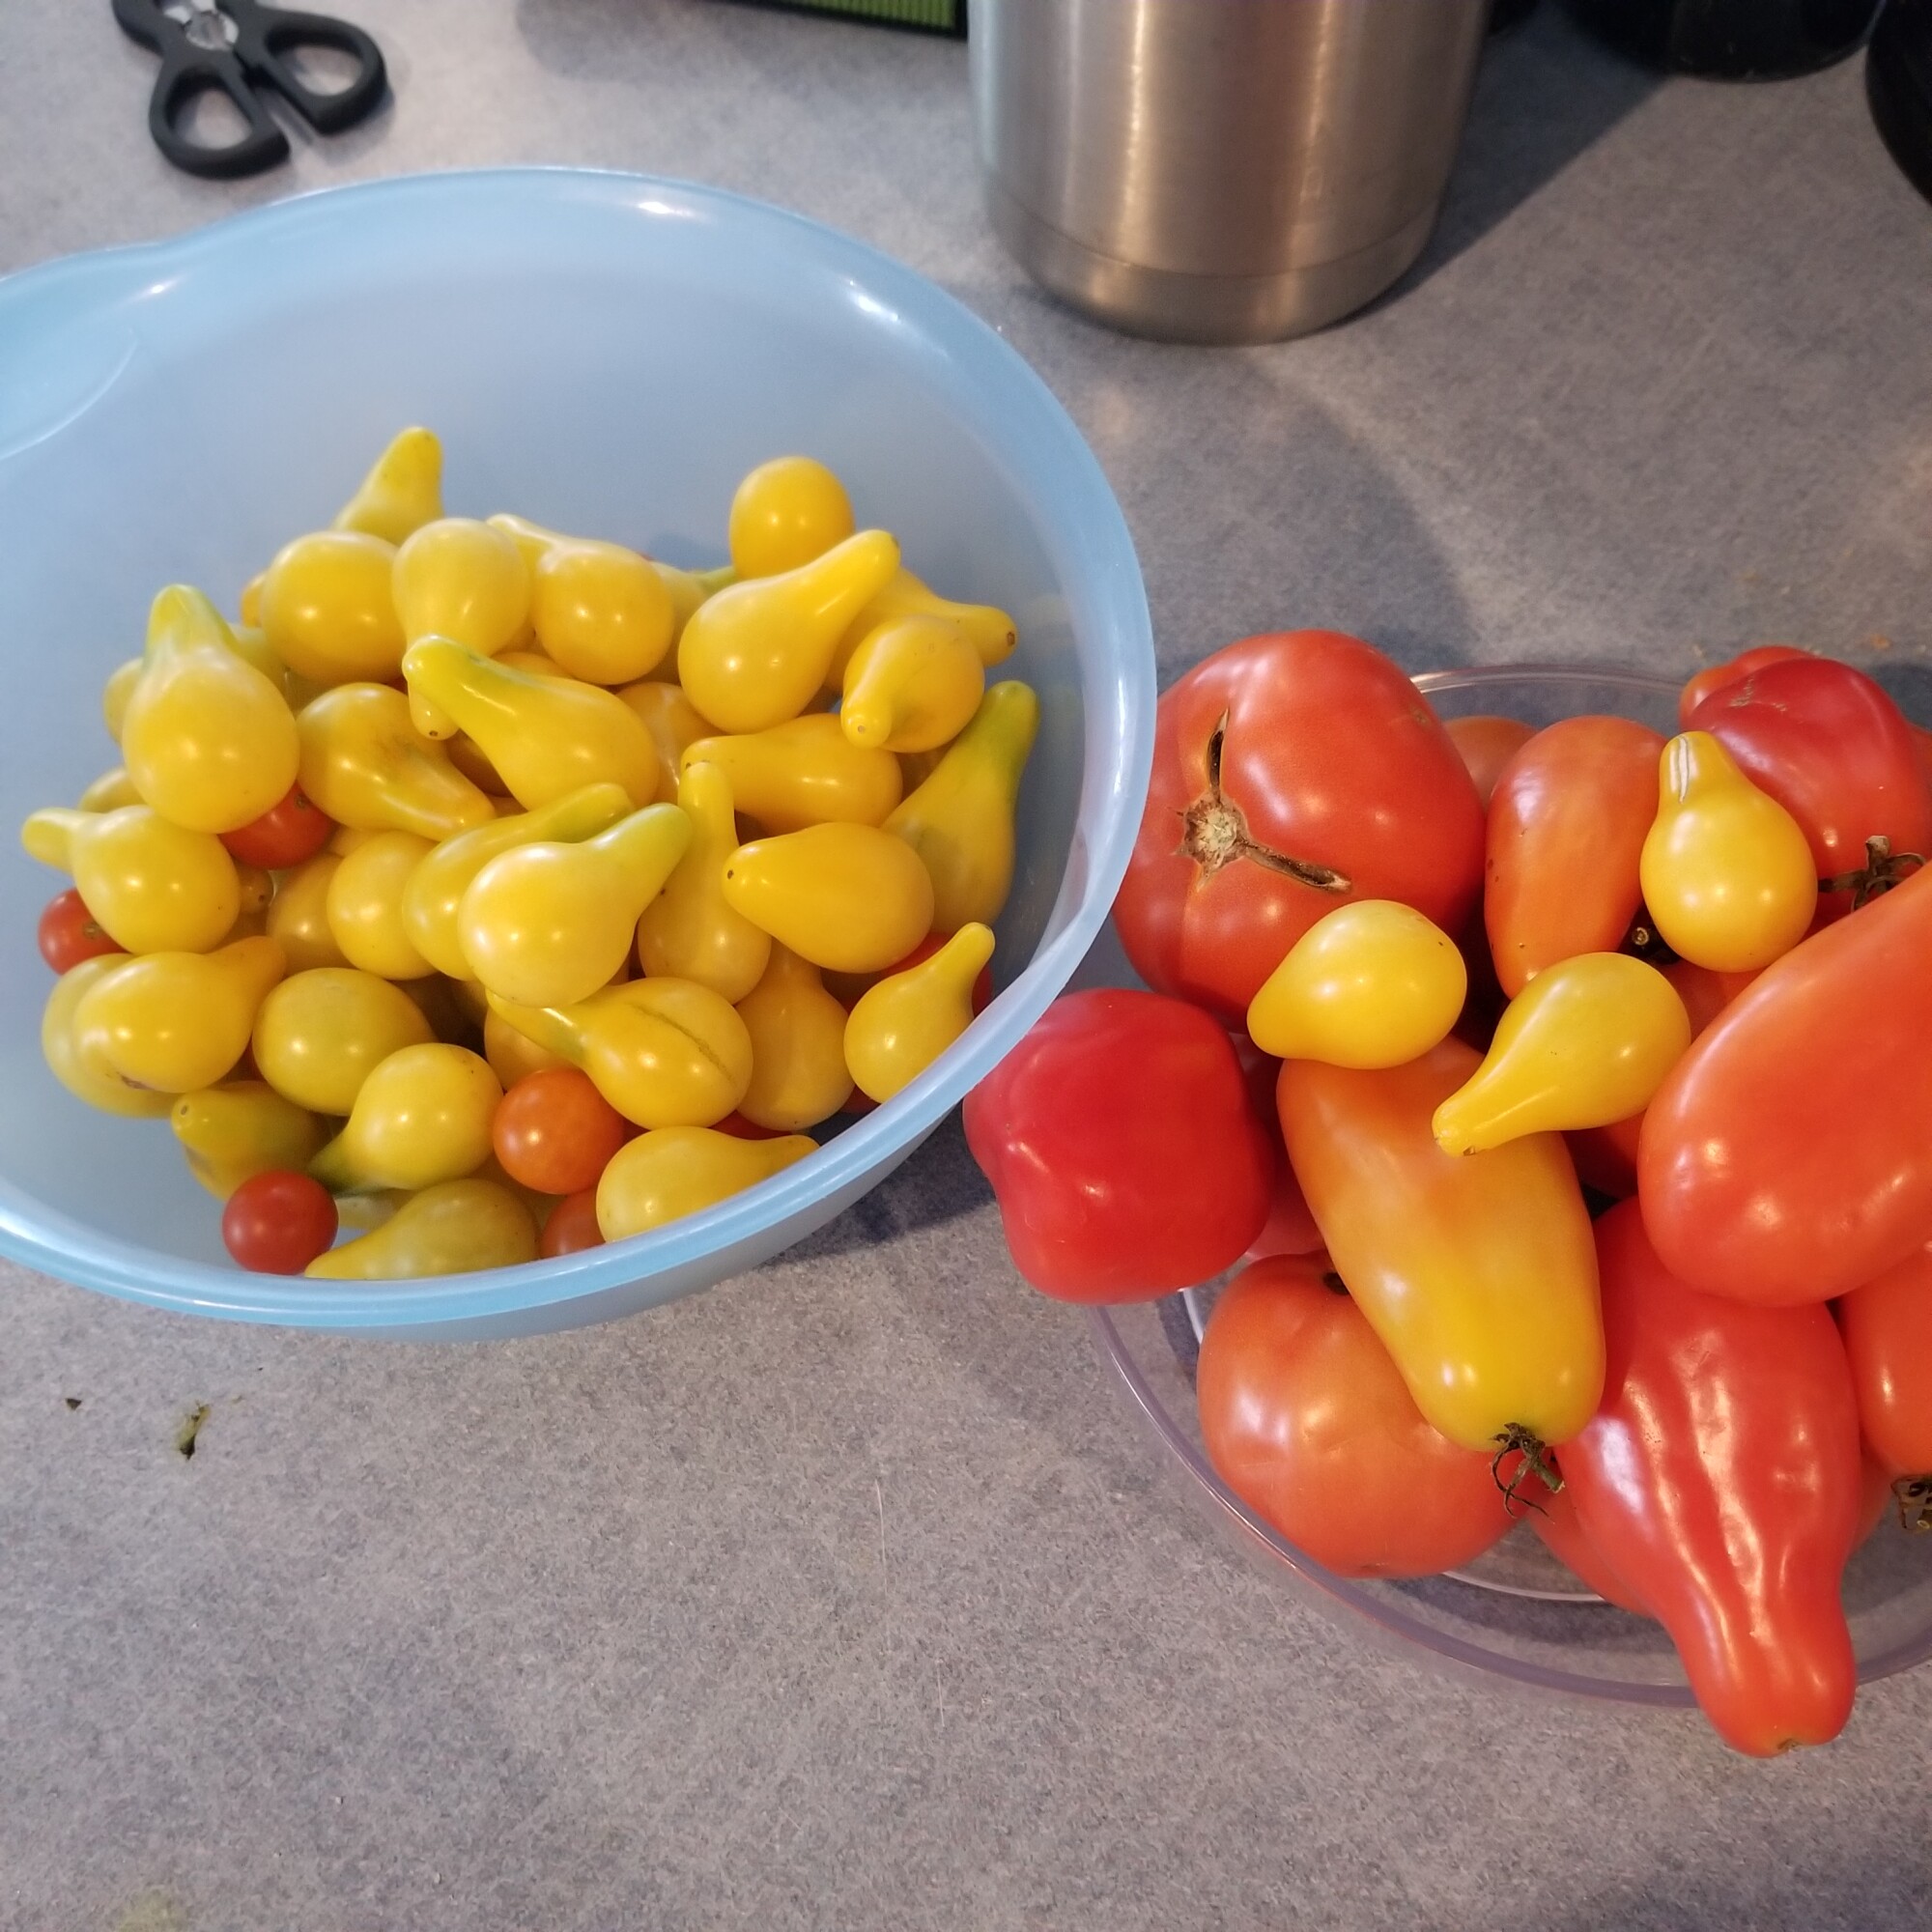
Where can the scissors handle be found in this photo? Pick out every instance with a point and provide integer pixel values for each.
(188, 70)
(267, 35)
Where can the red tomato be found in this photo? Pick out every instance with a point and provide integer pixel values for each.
(554, 1132)
(1291, 772)
(1565, 828)
(1888, 1330)
(1120, 1140)
(736, 1124)
(1721, 1479)
(70, 933)
(572, 1226)
(1788, 1155)
(1306, 1418)
(1921, 743)
(278, 1222)
(284, 836)
(1700, 687)
(1289, 1227)
(1554, 1517)
(1834, 751)
(1486, 745)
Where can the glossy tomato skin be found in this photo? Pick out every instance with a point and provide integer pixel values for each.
(1565, 828)
(1120, 1140)
(554, 1132)
(1831, 747)
(1478, 1272)
(70, 933)
(571, 1225)
(1718, 676)
(1722, 1478)
(1888, 1330)
(1307, 1420)
(1486, 745)
(277, 1222)
(1289, 1227)
(1787, 1156)
(1322, 755)
(1561, 1532)
(284, 836)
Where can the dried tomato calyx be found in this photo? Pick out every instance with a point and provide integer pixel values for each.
(1535, 1461)
(1882, 869)
(1914, 1497)
(1215, 834)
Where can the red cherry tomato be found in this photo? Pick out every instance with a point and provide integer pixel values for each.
(1718, 676)
(1832, 747)
(1292, 773)
(1120, 1142)
(1788, 1155)
(1888, 1330)
(572, 1226)
(1721, 1479)
(735, 1123)
(554, 1132)
(70, 933)
(278, 1222)
(1486, 745)
(284, 836)
(1565, 828)
(1307, 1420)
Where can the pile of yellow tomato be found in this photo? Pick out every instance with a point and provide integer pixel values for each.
(502, 892)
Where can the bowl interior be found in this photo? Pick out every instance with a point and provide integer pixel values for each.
(605, 354)
(1516, 1612)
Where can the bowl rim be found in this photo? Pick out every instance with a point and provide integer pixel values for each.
(67, 289)
(1403, 1635)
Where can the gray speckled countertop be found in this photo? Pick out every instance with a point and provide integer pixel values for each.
(845, 1595)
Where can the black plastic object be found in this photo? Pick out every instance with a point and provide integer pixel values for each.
(926, 17)
(1898, 84)
(229, 47)
(1733, 39)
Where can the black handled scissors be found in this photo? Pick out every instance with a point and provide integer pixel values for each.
(230, 46)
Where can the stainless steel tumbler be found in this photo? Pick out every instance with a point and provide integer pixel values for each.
(1219, 170)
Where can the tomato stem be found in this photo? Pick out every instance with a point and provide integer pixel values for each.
(1534, 1457)
(1644, 942)
(1882, 869)
(1216, 834)
(1914, 1496)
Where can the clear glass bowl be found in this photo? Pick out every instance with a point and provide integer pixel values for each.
(1516, 1613)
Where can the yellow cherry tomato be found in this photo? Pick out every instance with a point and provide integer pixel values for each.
(423, 1116)
(320, 1034)
(600, 611)
(512, 1054)
(902, 1024)
(547, 924)
(912, 685)
(298, 919)
(547, 736)
(365, 905)
(672, 1172)
(177, 1022)
(759, 651)
(456, 1227)
(434, 896)
(673, 723)
(232, 1132)
(850, 899)
(1584, 1044)
(402, 492)
(663, 1052)
(460, 578)
(117, 691)
(1478, 1276)
(688, 931)
(960, 820)
(1372, 984)
(991, 630)
(85, 1073)
(799, 1075)
(152, 885)
(110, 791)
(1727, 873)
(327, 609)
(803, 772)
(209, 740)
(786, 513)
(365, 764)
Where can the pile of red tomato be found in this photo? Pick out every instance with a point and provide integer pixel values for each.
(1594, 1186)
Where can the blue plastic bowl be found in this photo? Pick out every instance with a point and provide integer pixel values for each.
(602, 352)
